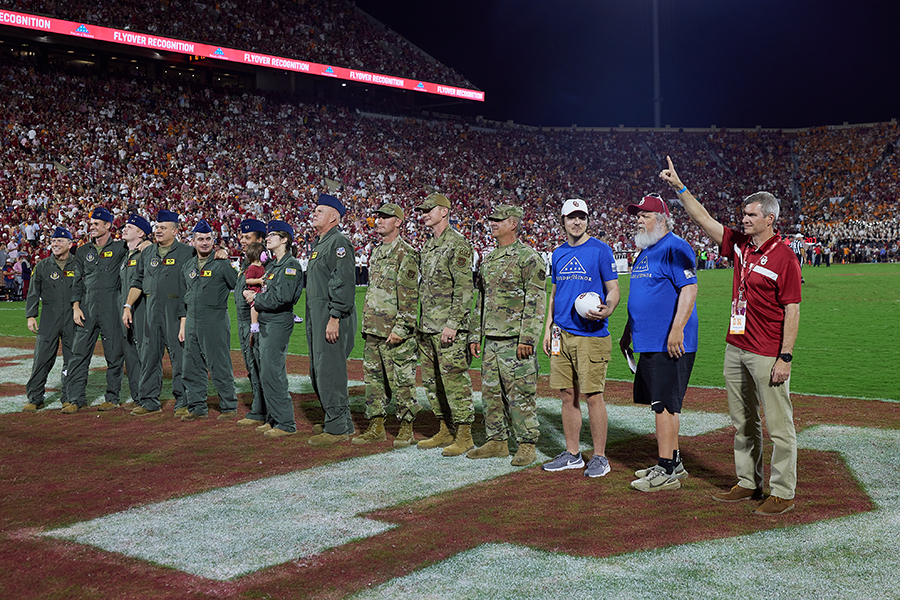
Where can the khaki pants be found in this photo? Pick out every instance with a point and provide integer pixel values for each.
(747, 379)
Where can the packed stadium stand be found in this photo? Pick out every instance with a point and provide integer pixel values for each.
(75, 136)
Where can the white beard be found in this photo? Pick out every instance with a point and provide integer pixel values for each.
(645, 239)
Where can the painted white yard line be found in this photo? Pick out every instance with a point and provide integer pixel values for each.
(849, 558)
(229, 532)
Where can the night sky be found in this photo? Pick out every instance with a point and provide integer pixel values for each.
(731, 63)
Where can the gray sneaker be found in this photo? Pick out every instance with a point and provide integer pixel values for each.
(598, 466)
(566, 460)
(656, 480)
(679, 473)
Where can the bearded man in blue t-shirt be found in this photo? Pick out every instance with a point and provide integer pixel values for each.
(662, 324)
(580, 347)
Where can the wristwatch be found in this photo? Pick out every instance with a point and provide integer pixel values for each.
(786, 356)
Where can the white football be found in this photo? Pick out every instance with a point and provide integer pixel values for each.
(587, 301)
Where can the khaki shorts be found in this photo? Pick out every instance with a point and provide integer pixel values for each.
(581, 363)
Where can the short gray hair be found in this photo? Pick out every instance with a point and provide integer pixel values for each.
(769, 204)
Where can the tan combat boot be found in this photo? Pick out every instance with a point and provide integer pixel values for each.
(375, 433)
(525, 455)
(463, 442)
(404, 437)
(439, 440)
(491, 449)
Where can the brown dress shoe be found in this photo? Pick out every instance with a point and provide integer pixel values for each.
(738, 493)
(774, 506)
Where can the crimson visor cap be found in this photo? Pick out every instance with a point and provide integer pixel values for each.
(650, 203)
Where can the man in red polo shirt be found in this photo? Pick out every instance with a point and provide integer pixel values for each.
(765, 315)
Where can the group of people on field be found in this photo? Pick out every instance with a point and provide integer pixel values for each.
(145, 298)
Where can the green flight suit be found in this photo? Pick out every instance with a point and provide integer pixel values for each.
(275, 305)
(51, 287)
(331, 292)
(207, 333)
(132, 335)
(251, 353)
(163, 286)
(96, 287)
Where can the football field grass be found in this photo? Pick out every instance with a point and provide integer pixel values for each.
(846, 346)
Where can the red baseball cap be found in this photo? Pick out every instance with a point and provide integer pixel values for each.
(650, 203)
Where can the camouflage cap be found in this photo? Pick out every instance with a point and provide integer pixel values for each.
(505, 211)
(390, 210)
(433, 200)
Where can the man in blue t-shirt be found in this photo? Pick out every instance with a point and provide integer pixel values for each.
(580, 347)
(662, 324)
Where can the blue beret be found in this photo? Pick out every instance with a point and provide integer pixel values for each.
(61, 232)
(249, 225)
(276, 225)
(102, 214)
(202, 227)
(167, 216)
(326, 200)
(139, 222)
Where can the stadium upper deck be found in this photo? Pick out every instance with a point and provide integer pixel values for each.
(323, 31)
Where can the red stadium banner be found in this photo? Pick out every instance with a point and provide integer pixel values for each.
(146, 40)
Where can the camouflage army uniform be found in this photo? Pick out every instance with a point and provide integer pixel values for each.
(445, 293)
(392, 300)
(513, 298)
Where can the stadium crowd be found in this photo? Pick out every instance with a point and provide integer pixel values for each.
(73, 140)
(321, 31)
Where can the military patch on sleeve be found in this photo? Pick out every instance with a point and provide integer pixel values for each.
(107, 253)
(341, 252)
(313, 255)
(170, 261)
(461, 261)
(410, 274)
(289, 272)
